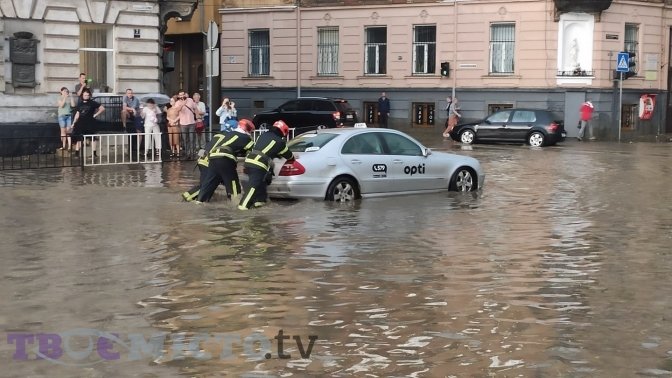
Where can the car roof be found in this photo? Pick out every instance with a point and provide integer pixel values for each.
(352, 131)
(320, 98)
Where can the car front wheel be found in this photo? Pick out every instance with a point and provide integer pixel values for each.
(342, 189)
(467, 137)
(464, 180)
(536, 139)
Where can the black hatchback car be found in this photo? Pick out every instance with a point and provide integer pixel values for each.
(310, 113)
(535, 127)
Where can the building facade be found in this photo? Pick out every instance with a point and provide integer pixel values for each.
(551, 54)
(45, 44)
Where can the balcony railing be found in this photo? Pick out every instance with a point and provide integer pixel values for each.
(576, 73)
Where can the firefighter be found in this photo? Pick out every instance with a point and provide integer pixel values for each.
(269, 145)
(218, 165)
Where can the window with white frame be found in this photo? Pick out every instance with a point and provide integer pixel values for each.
(424, 49)
(96, 56)
(631, 39)
(502, 47)
(259, 46)
(375, 57)
(327, 51)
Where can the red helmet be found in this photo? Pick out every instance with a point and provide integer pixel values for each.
(246, 125)
(282, 126)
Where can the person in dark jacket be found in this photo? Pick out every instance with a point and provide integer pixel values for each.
(219, 162)
(383, 110)
(270, 145)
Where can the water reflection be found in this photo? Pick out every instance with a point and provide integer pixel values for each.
(558, 268)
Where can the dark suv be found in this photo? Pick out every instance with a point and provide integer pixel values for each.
(310, 113)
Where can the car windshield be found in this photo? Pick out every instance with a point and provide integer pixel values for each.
(309, 142)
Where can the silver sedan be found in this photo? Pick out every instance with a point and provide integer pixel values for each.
(347, 164)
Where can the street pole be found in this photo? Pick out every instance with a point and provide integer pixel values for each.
(209, 78)
(455, 47)
(620, 105)
(298, 48)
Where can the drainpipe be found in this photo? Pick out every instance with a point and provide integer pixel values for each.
(454, 46)
(298, 48)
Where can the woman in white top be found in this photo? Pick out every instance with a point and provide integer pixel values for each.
(152, 130)
(200, 113)
(223, 114)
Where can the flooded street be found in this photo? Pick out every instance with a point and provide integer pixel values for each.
(560, 267)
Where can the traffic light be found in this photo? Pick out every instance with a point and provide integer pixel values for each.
(445, 69)
(632, 65)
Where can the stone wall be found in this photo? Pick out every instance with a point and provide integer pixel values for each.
(134, 38)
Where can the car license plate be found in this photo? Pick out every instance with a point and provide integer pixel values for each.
(564, 135)
(348, 116)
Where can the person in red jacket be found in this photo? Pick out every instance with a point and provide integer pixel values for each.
(586, 115)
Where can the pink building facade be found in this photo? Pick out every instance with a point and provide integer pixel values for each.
(524, 53)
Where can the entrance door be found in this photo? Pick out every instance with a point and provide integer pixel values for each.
(573, 101)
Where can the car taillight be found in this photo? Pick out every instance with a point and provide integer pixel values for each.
(337, 115)
(553, 127)
(292, 169)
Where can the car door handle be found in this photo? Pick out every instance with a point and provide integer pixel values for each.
(396, 161)
(356, 161)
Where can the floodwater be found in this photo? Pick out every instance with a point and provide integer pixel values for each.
(560, 267)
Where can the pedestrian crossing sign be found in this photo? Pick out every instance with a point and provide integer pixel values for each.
(622, 62)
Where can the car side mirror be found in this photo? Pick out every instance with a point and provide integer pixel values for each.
(426, 152)
(487, 121)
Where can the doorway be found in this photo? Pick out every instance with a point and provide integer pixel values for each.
(573, 101)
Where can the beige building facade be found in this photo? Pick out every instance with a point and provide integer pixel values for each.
(520, 53)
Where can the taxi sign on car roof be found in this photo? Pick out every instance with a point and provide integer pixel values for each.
(360, 125)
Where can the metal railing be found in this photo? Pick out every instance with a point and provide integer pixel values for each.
(115, 149)
(35, 152)
(18, 153)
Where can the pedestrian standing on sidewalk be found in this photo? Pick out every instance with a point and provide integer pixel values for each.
(200, 124)
(186, 108)
(383, 110)
(152, 130)
(453, 116)
(586, 111)
(85, 120)
(66, 103)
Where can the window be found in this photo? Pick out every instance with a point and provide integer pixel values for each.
(524, 116)
(310, 142)
(424, 49)
(400, 145)
(323, 106)
(363, 144)
(290, 106)
(502, 46)
(375, 51)
(497, 107)
(502, 116)
(632, 41)
(260, 53)
(327, 51)
(96, 56)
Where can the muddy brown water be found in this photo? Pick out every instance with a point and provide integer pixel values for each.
(561, 266)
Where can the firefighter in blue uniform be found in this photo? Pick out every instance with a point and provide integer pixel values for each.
(270, 145)
(218, 165)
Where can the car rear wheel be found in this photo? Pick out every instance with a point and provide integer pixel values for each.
(263, 125)
(342, 189)
(467, 137)
(463, 180)
(536, 139)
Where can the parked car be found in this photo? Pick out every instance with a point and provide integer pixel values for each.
(534, 126)
(309, 113)
(349, 163)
